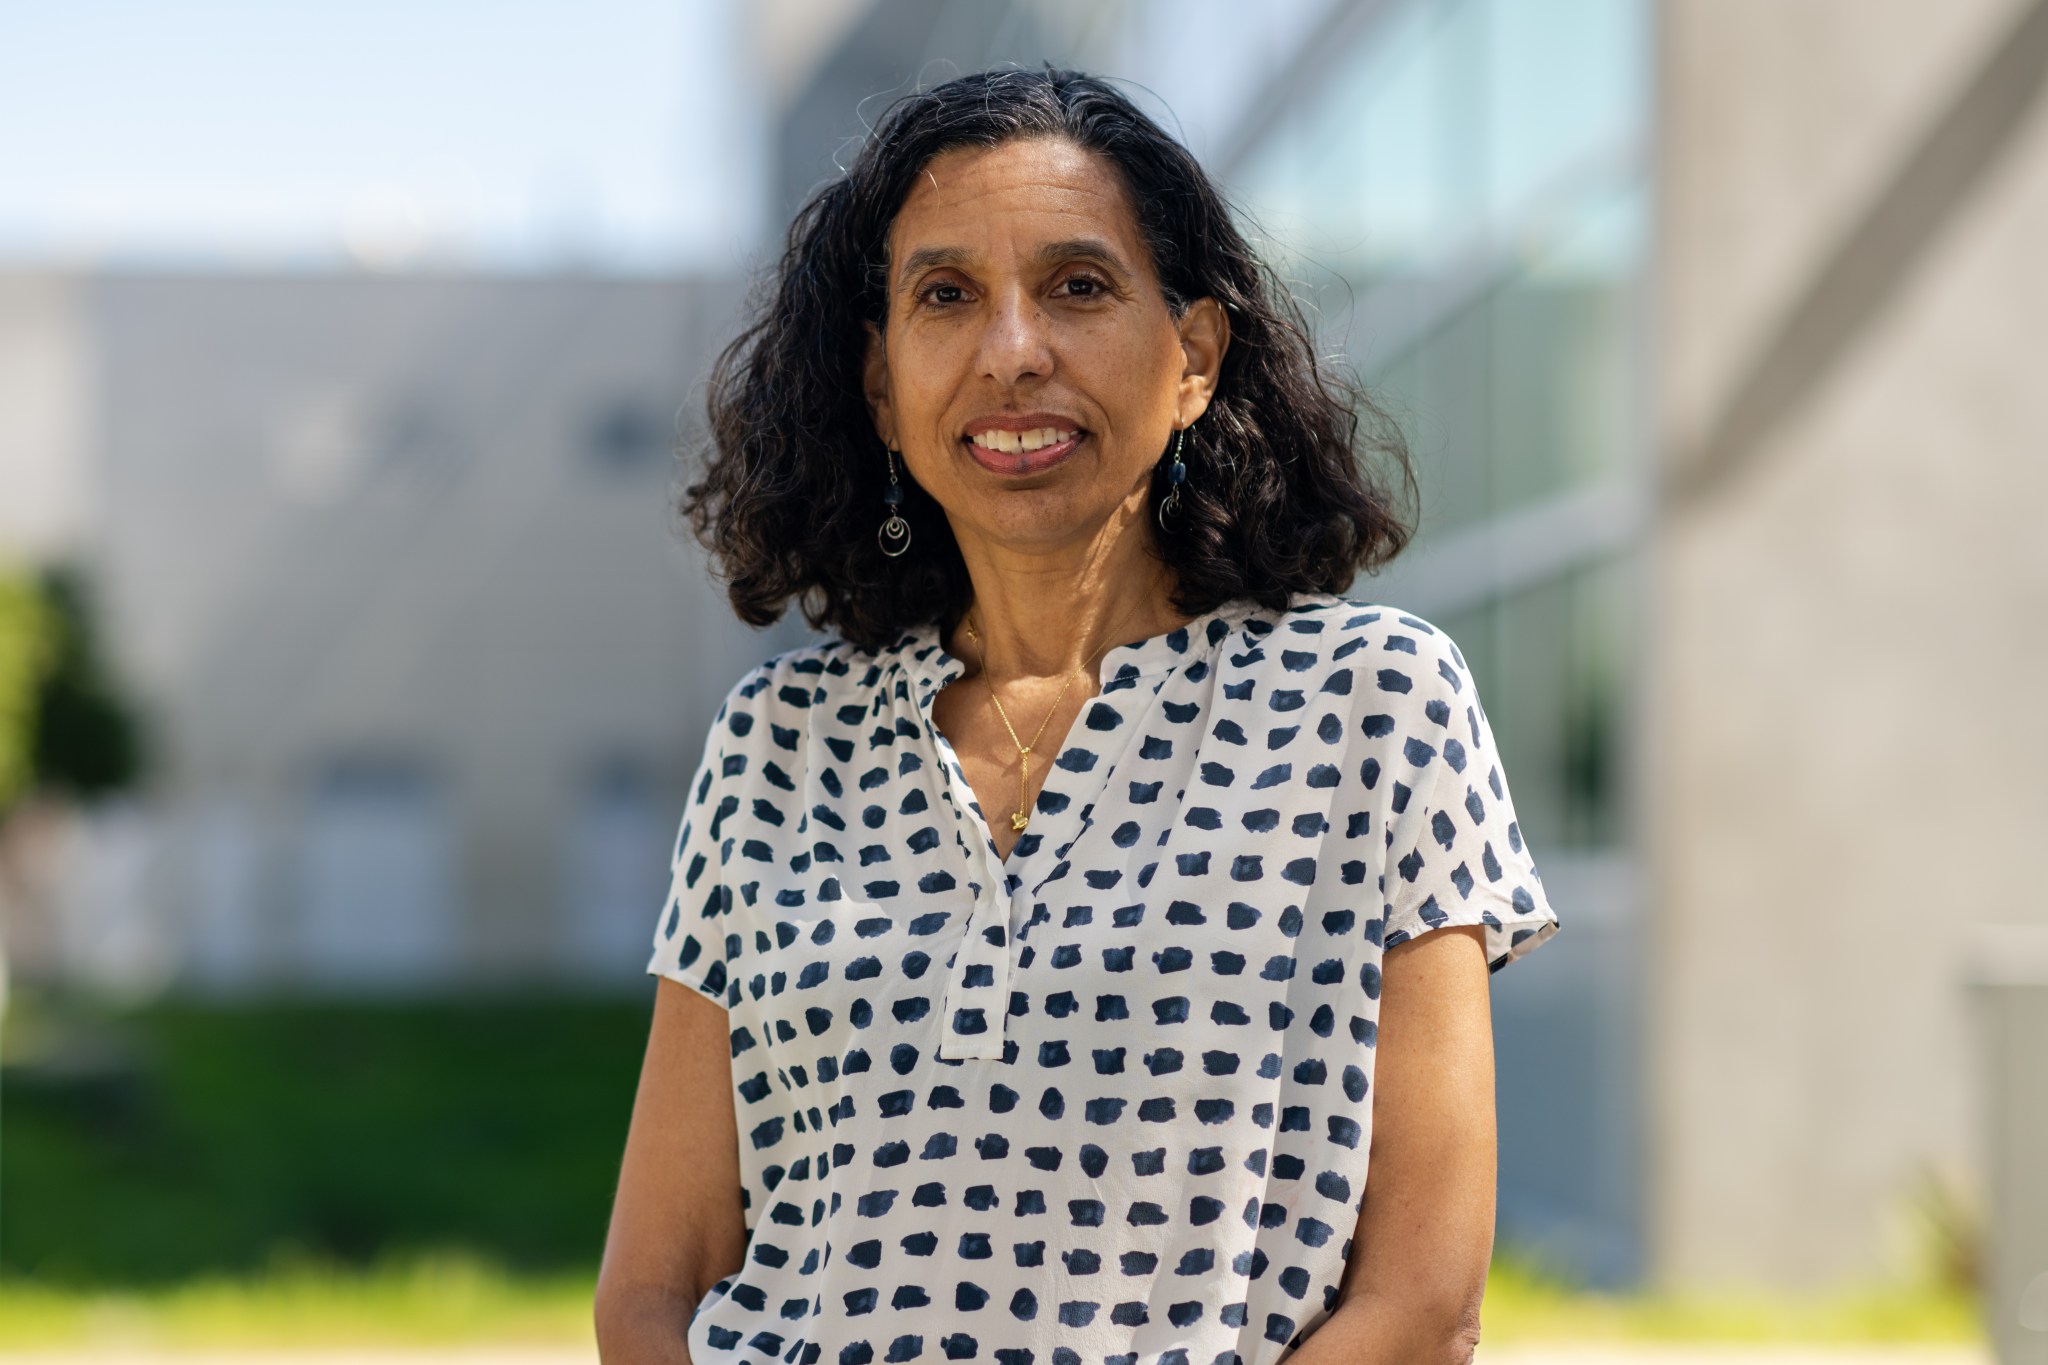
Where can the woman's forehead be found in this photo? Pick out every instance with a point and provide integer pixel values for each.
(967, 200)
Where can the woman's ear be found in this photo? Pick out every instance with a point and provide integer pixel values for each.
(1204, 337)
(875, 384)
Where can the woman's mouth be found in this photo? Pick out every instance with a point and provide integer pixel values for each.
(1023, 452)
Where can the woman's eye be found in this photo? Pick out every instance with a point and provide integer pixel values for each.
(1081, 286)
(942, 293)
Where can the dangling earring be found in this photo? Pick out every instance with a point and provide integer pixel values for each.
(895, 531)
(1176, 475)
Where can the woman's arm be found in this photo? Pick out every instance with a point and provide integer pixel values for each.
(1411, 1290)
(678, 1226)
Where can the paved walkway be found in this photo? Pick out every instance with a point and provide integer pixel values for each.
(1528, 1355)
(1734, 1355)
(467, 1355)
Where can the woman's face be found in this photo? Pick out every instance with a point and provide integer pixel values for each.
(1031, 372)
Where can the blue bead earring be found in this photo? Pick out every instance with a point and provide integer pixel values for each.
(895, 532)
(1176, 475)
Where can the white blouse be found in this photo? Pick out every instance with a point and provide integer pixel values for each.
(1106, 1101)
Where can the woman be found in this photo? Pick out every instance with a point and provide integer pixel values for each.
(1048, 954)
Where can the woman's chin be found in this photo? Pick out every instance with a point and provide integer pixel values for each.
(1040, 519)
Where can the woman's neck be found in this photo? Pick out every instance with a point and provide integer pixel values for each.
(1043, 627)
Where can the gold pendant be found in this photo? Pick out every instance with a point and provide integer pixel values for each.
(1019, 819)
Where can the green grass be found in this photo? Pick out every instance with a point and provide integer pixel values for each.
(406, 1301)
(1525, 1303)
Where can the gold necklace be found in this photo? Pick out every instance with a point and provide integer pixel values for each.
(1021, 816)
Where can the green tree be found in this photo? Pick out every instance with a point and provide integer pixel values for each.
(88, 740)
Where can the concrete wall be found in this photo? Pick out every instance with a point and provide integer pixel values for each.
(1852, 583)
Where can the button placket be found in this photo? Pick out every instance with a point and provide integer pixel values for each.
(978, 986)
(975, 1007)
(977, 989)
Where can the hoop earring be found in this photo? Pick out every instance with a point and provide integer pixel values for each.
(1176, 475)
(894, 531)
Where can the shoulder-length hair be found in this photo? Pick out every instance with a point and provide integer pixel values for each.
(1276, 499)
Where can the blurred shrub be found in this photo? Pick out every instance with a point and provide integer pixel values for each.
(200, 1139)
(66, 726)
(88, 738)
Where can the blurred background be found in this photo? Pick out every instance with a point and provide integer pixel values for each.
(352, 662)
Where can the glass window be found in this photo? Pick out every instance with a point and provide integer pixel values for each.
(1359, 181)
(1551, 662)
(1561, 362)
(1564, 87)
(1461, 201)
(1453, 416)
(1461, 204)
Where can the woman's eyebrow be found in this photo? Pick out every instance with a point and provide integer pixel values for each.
(1082, 248)
(929, 258)
(1071, 249)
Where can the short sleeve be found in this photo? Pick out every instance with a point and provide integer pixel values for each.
(1459, 857)
(689, 938)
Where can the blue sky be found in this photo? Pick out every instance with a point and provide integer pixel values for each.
(618, 135)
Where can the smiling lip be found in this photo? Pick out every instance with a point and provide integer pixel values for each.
(1022, 462)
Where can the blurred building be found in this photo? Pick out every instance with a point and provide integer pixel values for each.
(1711, 328)
(393, 564)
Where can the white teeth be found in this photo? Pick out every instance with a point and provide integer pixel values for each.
(1013, 441)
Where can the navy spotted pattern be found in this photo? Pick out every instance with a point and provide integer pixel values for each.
(1106, 1101)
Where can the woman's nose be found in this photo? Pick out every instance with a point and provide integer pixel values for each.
(1017, 341)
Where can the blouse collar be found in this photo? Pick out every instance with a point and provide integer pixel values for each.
(925, 659)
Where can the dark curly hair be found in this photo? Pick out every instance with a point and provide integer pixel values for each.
(1276, 501)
